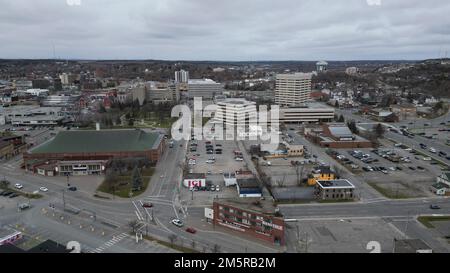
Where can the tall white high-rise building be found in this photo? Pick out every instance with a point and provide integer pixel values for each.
(181, 76)
(293, 89)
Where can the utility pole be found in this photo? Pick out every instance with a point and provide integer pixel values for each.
(64, 200)
(146, 224)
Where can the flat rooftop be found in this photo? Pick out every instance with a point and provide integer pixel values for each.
(250, 204)
(102, 141)
(336, 184)
(247, 183)
(5, 232)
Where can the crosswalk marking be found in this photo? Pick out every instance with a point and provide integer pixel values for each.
(110, 243)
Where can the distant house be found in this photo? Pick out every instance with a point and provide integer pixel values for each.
(321, 173)
(404, 111)
(383, 115)
(442, 185)
(444, 178)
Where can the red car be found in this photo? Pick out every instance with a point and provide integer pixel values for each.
(191, 230)
(147, 205)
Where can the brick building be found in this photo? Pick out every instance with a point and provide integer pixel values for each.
(335, 135)
(84, 152)
(252, 216)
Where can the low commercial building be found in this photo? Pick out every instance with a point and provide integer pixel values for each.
(6, 149)
(335, 135)
(37, 92)
(253, 217)
(83, 152)
(404, 111)
(194, 180)
(442, 185)
(11, 145)
(383, 115)
(32, 115)
(248, 188)
(9, 236)
(340, 189)
(308, 113)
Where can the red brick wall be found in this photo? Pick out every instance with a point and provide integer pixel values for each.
(248, 229)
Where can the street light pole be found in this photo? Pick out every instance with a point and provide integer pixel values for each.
(64, 200)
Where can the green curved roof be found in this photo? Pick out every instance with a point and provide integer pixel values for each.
(100, 141)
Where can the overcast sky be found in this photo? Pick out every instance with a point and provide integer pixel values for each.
(225, 29)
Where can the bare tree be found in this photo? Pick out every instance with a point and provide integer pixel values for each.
(337, 171)
(133, 224)
(216, 248)
(172, 238)
(281, 182)
(299, 171)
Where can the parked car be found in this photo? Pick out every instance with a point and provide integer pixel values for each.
(18, 186)
(191, 230)
(24, 206)
(434, 206)
(177, 222)
(7, 193)
(73, 188)
(13, 195)
(43, 189)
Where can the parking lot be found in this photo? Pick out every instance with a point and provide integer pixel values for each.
(398, 170)
(213, 165)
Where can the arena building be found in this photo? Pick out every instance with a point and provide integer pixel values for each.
(87, 152)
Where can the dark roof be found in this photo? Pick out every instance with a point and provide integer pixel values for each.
(247, 183)
(100, 141)
(49, 246)
(9, 248)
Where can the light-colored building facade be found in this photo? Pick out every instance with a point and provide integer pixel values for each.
(310, 112)
(293, 89)
(233, 112)
(182, 76)
(205, 88)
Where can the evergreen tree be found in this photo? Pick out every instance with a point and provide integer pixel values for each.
(137, 179)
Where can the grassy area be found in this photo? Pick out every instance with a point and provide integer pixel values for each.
(388, 193)
(174, 246)
(122, 186)
(293, 202)
(336, 201)
(428, 220)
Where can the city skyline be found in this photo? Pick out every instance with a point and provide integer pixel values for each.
(231, 31)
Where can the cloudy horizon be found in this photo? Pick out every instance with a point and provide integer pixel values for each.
(202, 30)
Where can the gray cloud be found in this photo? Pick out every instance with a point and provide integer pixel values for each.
(225, 30)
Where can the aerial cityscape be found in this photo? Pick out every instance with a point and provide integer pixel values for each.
(190, 130)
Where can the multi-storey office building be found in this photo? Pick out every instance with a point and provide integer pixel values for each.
(292, 89)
